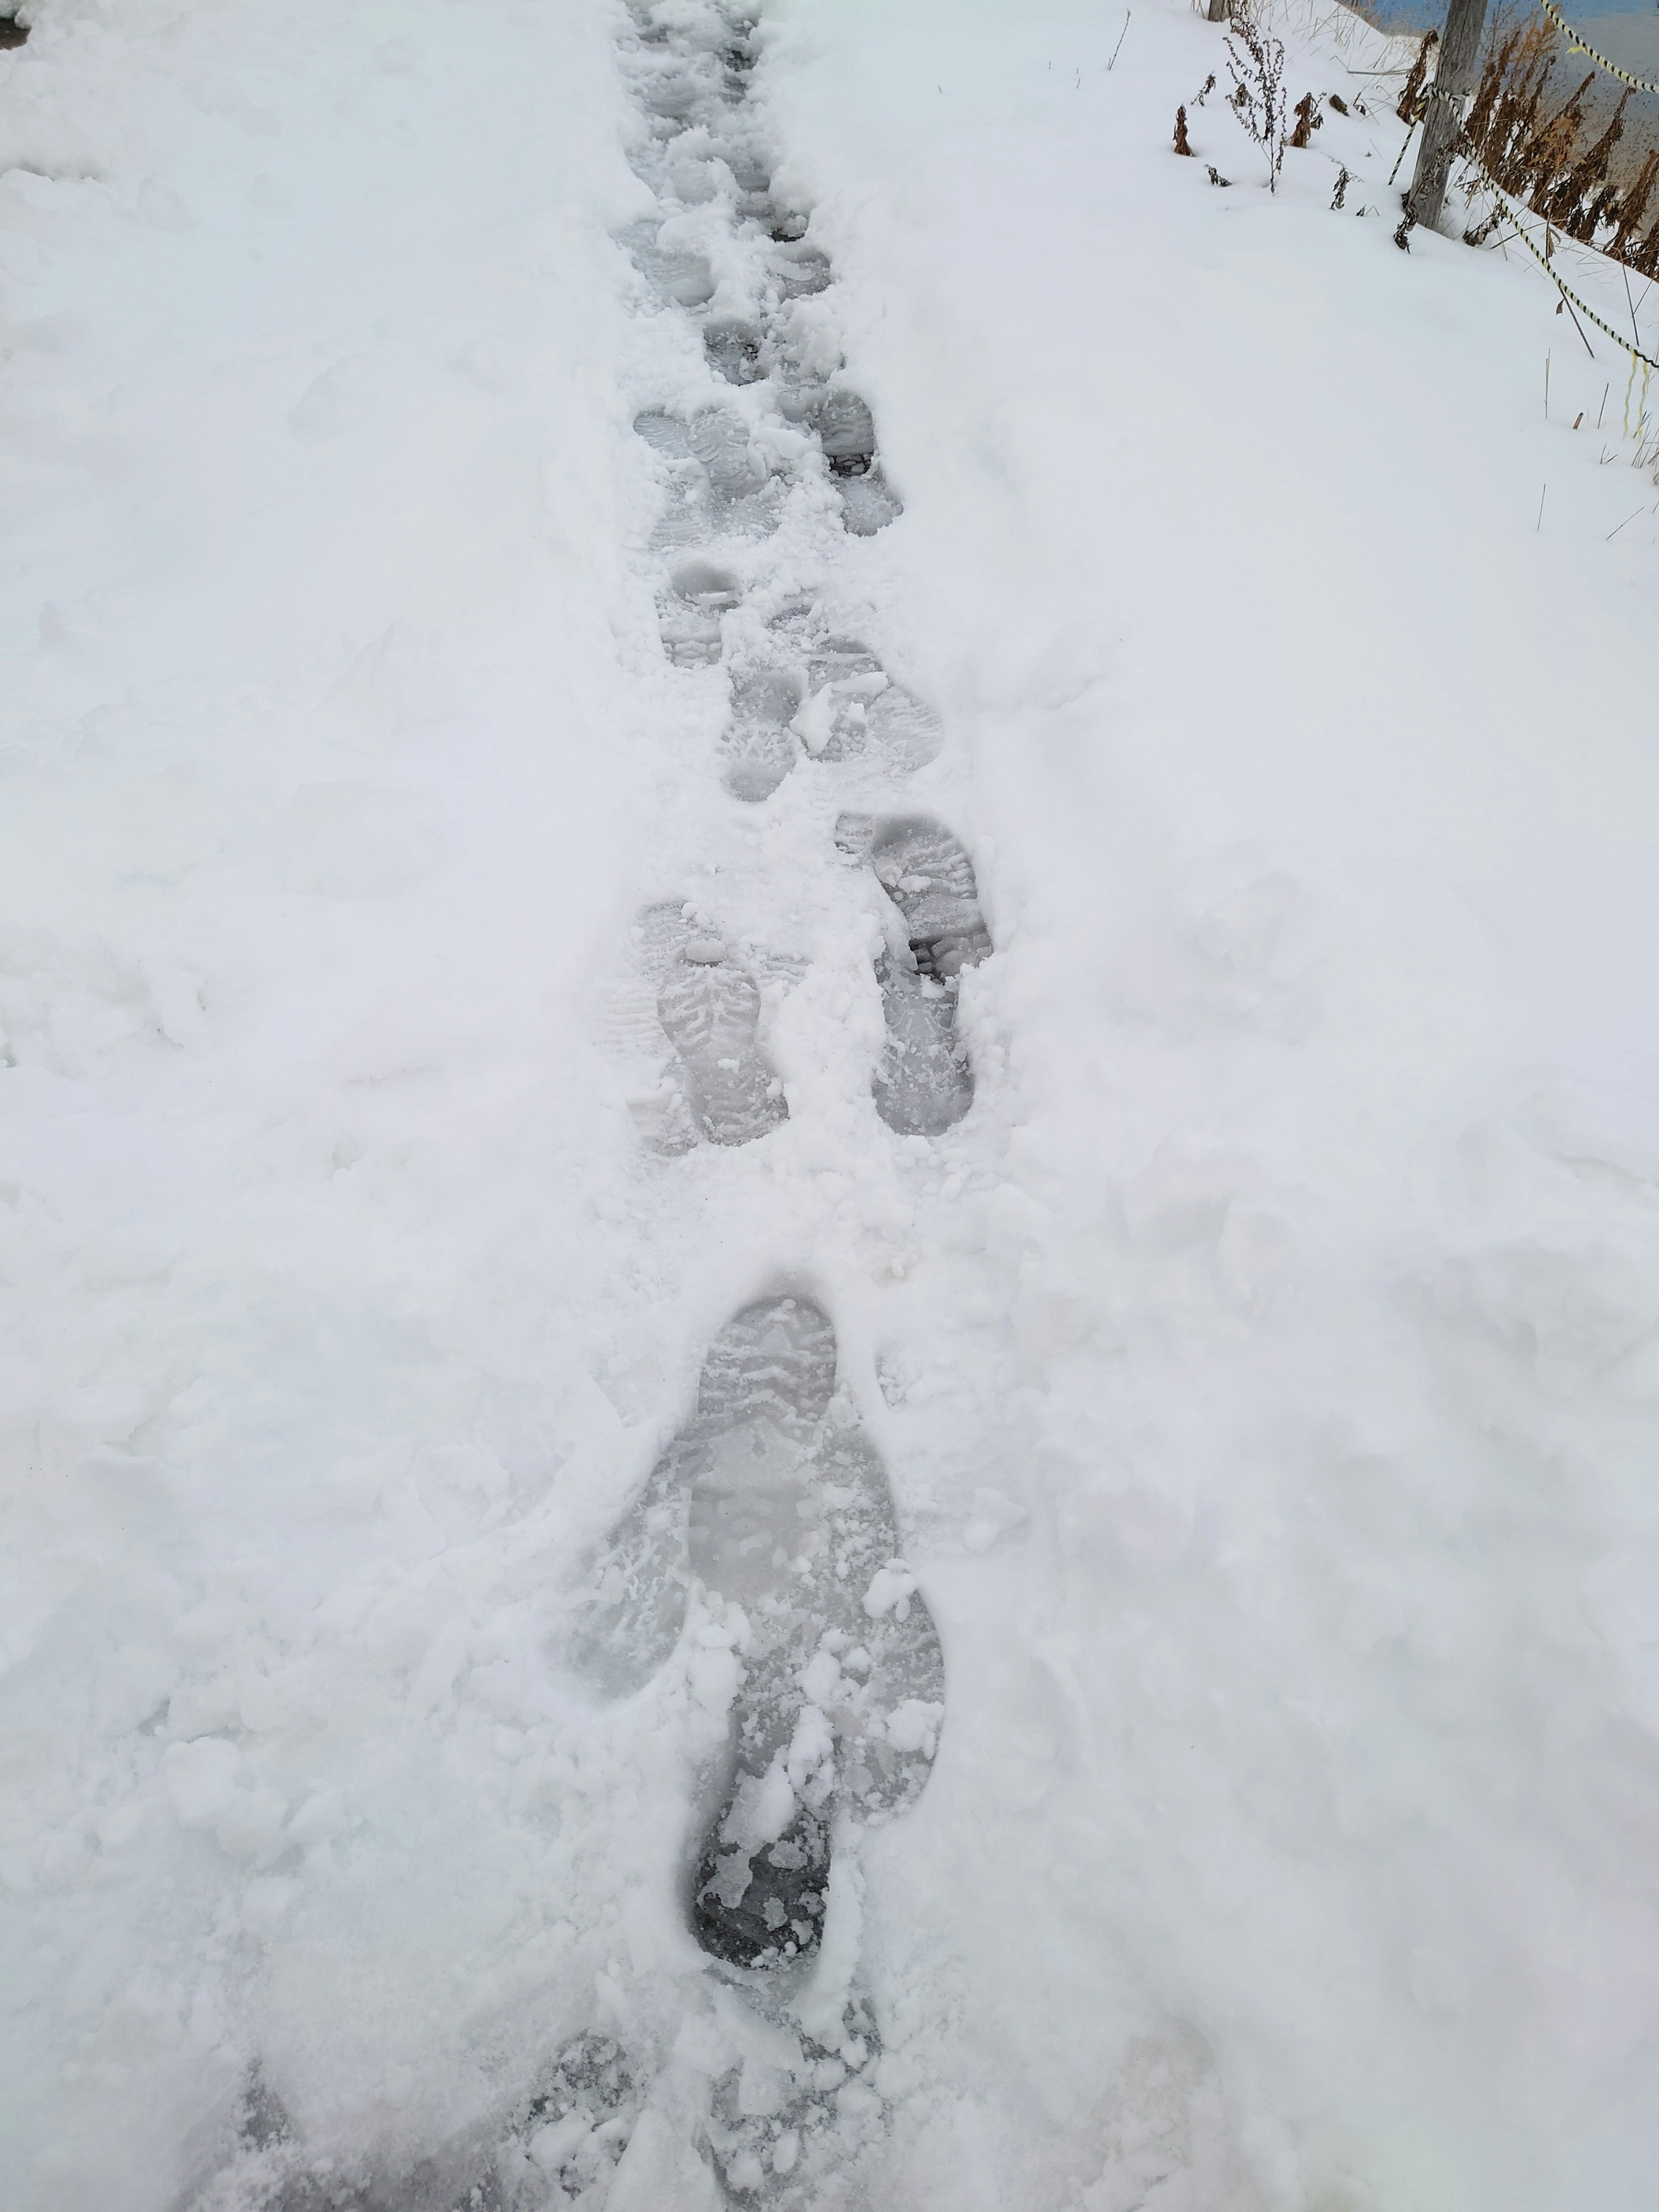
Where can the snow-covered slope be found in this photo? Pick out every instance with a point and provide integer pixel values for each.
(1264, 1368)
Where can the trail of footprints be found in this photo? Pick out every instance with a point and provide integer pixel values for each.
(769, 1510)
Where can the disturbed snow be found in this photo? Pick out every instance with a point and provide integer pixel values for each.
(508, 814)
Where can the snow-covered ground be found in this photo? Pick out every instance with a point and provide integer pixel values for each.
(1265, 1368)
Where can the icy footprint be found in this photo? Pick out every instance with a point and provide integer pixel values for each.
(578, 2125)
(734, 349)
(664, 434)
(801, 271)
(836, 703)
(719, 482)
(560, 2147)
(751, 173)
(675, 91)
(790, 2117)
(721, 441)
(853, 709)
(690, 618)
(630, 1025)
(926, 1084)
(682, 277)
(868, 503)
(759, 742)
(847, 432)
(771, 1503)
(709, 1008)
(268, 2170)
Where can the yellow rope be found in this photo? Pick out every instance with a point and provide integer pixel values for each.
(1630, 386)
(1577, 45)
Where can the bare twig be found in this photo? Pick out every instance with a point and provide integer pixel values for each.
(1577, 326)
(1257, 65)
(1122, 35)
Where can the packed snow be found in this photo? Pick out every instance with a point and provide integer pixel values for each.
(831, 1129)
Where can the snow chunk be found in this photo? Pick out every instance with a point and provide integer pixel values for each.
(889, 1590)
(201, 1779)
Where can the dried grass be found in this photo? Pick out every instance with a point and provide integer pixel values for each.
(1412, 91)
(1546, 152)
(1255, 62)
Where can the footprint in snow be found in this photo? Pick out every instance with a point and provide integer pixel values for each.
(689, 617)
(751, 173)
(792, 2108)
(720, 484)
(853, 709)
(733, 348)
(847, 431)
(269, 2169)
(663, 433)
(677, 274)
(718, 440)
(759, 742)
(709, 1006)
(868, 503)
(560, 2146)
(831, 701)
(770, 1505)
(924, 1084)
(576, 2127)
(675, 90)
(801, 271)
(685, 991)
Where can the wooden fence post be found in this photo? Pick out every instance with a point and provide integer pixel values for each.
(1219, 10)
(1453, 80)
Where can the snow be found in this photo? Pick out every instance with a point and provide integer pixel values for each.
(1264, 1367)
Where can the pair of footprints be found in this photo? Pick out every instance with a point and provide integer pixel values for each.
(722, 483)
(770, 1514)
(709, 1005)
(831, 700)
(680, 274)
(720, 480)
(741, 353)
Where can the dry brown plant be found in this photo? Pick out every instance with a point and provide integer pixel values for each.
(1308, 120)
(1412, 90)
(1541, 153)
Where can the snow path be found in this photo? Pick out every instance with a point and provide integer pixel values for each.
(370, 863)
(427, 663)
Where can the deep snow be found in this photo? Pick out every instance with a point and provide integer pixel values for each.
(1264, 1368)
